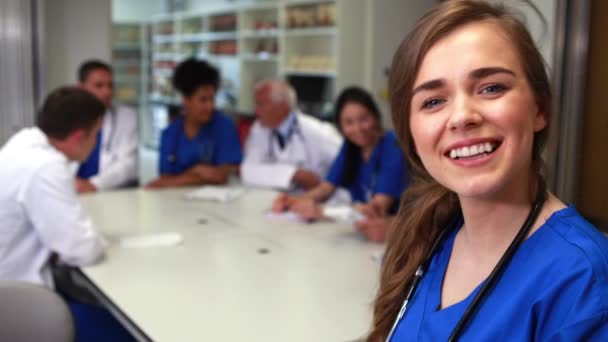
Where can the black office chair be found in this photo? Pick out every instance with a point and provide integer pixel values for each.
(33, 313)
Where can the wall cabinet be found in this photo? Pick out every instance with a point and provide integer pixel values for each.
(128, 62)
(313, 44)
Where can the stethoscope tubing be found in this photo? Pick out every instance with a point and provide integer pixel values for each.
(486, 287)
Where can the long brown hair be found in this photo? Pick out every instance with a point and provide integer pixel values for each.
(427, 207)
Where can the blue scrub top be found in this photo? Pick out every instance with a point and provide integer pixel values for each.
(216, 143)
(384, 172)
(90, 167)
(554, 289)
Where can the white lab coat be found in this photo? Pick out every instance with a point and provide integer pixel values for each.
(40, 212)
(118, 154)
(313, 146)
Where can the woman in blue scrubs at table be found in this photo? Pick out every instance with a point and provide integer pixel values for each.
(370, 164)
(480, 250)
(201, 146)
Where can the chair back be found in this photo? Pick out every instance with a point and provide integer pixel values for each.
(31, 312)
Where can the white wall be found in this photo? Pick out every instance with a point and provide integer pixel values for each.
(543, 34)
(17, 102)
(75, 30)
(389, 20)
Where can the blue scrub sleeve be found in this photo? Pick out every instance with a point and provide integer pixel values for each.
(594, 328)
(391, 177)
(575, 305)
(164, 166)
(229, 148)
(334, 176)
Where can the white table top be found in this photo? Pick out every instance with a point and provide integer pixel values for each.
(316, 282)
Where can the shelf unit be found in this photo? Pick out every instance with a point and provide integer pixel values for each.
(303, 41)
(128, 62)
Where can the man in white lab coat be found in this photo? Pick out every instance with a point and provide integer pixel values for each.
(286, 149)
(40, 214)
(113, 162)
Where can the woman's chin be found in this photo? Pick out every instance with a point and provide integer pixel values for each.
(203, 119)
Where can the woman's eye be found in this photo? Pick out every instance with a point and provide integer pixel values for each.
(493, 89)
(428, 104)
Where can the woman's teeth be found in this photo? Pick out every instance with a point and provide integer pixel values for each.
(473, 150)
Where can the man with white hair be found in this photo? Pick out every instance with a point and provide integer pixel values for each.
(286, 149)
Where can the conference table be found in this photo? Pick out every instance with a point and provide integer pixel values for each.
(238, 273)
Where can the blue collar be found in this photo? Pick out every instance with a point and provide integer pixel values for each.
(179, 122)
(287, 126)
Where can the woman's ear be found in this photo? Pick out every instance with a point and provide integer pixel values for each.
(413, 145)
(540, 121)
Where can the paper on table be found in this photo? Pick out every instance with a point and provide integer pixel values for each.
(151, 240)
(215, 193)
(343, 213)
(285, 216)
(275, 175)
(377, 256)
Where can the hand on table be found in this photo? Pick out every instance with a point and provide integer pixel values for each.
(306, 179)
(281, 203)
(84, 186)
(158, 183)
(374, 229)
(370, 210)
(307, 209)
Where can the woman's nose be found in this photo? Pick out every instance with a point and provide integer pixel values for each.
(464, 114)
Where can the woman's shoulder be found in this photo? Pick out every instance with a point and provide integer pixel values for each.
(577, 239)
(567, 269)
(390, 143)
(390, 138)
(174, 126)
(390, 135)
(222, 120)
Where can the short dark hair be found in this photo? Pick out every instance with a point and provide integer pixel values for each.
(192, 74)
(91, 65)
(67, 109)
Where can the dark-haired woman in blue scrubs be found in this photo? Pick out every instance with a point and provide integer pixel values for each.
(202, 145)
(370, 164)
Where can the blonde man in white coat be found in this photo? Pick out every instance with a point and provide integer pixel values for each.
(113, 162)
(286, 149)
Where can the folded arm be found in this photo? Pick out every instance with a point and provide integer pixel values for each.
(196, 175)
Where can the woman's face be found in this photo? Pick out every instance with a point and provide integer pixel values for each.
(473, 113)
(359, 125)
(200, 105)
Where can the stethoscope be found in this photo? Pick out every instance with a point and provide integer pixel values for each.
(369, 190)
(294, 130)
(486, 287)
(205, 150)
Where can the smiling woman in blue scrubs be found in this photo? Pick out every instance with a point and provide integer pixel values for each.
(370, 164)
(481, 251)
(202, 145)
